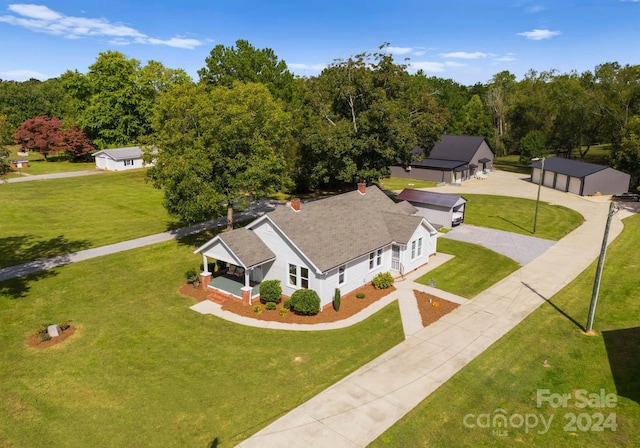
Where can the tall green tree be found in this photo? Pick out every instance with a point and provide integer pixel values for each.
(245, 63)
(499, 99)
(477, 120)
(627, 157)
(217, 145)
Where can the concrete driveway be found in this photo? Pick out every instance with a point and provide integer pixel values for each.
(521, 248)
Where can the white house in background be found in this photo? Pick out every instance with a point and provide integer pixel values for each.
(119, 159)
(338, 242)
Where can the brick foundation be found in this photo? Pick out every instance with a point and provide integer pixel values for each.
(205, 278)
(246, 296)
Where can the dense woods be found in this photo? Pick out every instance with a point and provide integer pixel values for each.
(348, 123)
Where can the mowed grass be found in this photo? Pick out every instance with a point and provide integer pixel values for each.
(473, 269)
(397, 183)
(144, 370)
(55, 164)
(46, 218)
(511, 164)
(508, 375)
(517, 215)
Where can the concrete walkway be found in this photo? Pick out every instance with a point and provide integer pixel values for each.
(357, 409)
(10, 272)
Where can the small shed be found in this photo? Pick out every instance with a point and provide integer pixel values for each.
(19, 164)
(581, 178)
(119, 159)
(445, 210)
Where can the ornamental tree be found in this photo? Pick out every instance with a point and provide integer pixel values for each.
(40, 134)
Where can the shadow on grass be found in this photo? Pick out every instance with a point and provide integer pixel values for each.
(215, 443)
(571, 319)
(622, 350)
(27, 248)
(26, 259)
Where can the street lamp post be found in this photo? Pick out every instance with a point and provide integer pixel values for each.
(535, 217)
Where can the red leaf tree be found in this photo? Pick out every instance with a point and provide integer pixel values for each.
(40, 134)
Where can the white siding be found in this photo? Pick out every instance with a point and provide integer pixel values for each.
(428, 247)
(434, 214)
(285, 254)
(107, 163)
(535, 175)
(220, 252)
(547, 180)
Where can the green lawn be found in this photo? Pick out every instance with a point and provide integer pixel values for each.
(55, 164)
(41, 219)
(144, 370)
(517, 215)
(511, 164)
(473, 269)
(509, 374)
(397, 183)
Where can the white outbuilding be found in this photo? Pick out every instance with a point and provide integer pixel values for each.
(119, 159)
(440, 209)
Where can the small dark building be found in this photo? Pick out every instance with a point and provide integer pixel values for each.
(581, 178)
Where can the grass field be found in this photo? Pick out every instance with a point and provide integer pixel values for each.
(473, 269)
(509, 374)
(517, 215)
(397, 183)
(145, 370)
(41, 219)
(55, 164)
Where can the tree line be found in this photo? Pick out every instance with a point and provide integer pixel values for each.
(247, 124)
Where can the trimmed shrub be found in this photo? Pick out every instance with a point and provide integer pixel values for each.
(383, 280)
(270, 291)
(287, 304)
(211, 266)
(283, 312)
(336, 300)
(305, 302)
(192, 276)
(257, 309)
(270, 306)
(360, 295)
(64, 325)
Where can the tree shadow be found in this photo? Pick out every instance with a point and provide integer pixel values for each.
(571, 319)
(26, 259)
(27, 248)
(622, 350)
(215, 443)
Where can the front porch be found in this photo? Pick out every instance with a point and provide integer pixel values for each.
(232, 285)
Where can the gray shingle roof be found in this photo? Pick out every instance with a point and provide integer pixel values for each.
(338, 229)
(574, 168)
(456, 147)
(439, 164)
(429, 197)
(132, 152)
(247, 246)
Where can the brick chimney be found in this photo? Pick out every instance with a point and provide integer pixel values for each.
(362, 187)
(295, 204)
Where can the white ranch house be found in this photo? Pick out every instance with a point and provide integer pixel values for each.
(337, 242)
(120, 159)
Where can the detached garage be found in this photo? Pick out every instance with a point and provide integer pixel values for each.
(581, 178)
(441, 210)
(119, 159)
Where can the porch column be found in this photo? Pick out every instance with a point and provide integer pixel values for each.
(205, 276)
(247, 283)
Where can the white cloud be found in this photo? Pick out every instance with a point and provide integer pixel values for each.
(535, 9)
(313, 67)
(510, 57)
(41, 19)
(22, 75)
(454, 64)
(539, 34)
(428, 67)
(465, 55)
(399, 50)
(419, 53)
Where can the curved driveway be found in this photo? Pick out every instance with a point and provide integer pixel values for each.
(360, 407)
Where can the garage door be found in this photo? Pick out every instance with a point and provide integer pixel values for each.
(547, 181)
(574, 185)
(535, 175)
(561, 182)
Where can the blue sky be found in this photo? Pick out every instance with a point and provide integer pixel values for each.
(468, 41)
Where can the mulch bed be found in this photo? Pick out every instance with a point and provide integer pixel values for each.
(35, 342)
(349, 305)
(432, 308)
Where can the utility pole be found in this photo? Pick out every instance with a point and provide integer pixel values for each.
(596, 284)
(535, 217)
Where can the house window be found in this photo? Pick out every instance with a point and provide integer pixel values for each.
(341, 274)
(128, 162)
(413, 250)
(419, 247)
(293, 275)
(375, 259)
(298, 276)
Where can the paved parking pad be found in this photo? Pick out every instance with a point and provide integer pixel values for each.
(520, 248)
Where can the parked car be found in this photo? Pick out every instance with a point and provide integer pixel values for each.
(628, 197)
